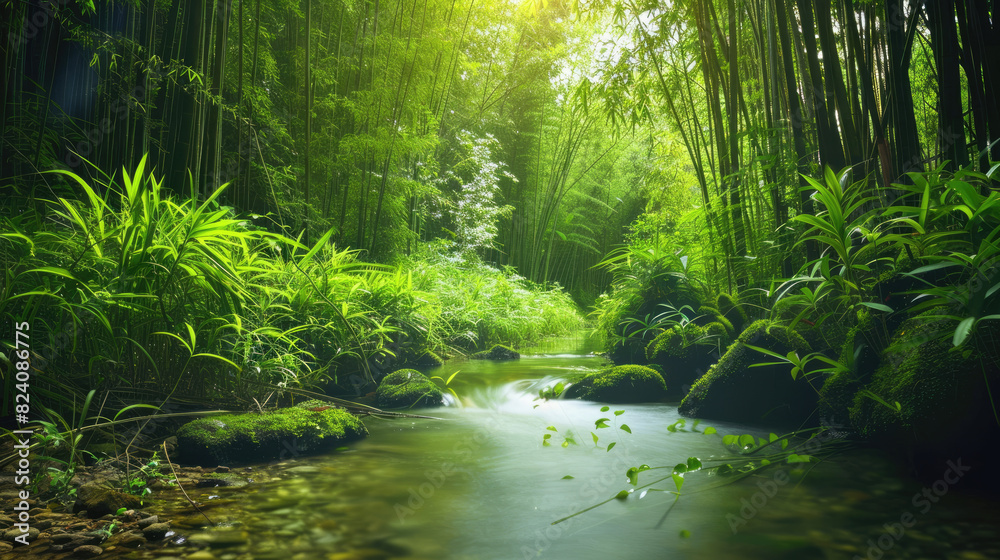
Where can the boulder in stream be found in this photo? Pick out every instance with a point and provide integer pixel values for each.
(944, 394)
(233, 439)
(99, 499)
(620, 384)
(407, 388)
(734, 391)
(685, 354)
(497, 353)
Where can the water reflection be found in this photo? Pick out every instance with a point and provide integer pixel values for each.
(480, 484)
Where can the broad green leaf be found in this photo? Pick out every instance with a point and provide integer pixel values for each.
(877, 306)
(709, 431)
(963, 330)
(552, 429)
(567, 477)
(693, 464)
(605, 408)
(612, 445)
(619, 412)
(602, 423)
(626, 428)
(678, 481)
(685, 533)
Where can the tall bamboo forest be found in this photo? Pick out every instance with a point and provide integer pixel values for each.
(373, 279)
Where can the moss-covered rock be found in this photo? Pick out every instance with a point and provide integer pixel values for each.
(497, 353)
(428, 359)
(620, 384)
(708, 314)
(734, 391)
(942, 390)
(99, 499)
(860, 354)
(686, 354)
(406, 388)
(732, 310)
(252, 438)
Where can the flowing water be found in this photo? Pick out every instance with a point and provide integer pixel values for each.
(478, 484)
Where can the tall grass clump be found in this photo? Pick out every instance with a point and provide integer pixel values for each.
(129, 288)
(480, 305)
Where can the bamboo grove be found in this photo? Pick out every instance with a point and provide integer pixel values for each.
(536, 136)
(764, 93)
(358, 116)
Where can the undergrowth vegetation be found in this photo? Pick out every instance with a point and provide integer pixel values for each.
(137, 291)
(872, 259)
(480, 305)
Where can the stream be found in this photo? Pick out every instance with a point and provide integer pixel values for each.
(478, 484)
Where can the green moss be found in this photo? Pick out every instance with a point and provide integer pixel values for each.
(428, 359)
(246, 438)
(685, 354)
(780, 333)
(717, 330)
(621, 384)
(939, 387)
(407, 387)
(671, 343)
(835, 398)
(498, 352)
(733, 390)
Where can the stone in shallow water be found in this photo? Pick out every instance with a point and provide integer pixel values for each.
(407, 387)
(200, 555)
(247, 438)
(132, 540)
(87, 551)
(621, 384)
(220, 538)
(156, 531)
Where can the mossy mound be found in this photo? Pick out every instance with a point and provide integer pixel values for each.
(428, 359)
(234, 439)
(860, 352)
(734, 391)
(686, 354)
(943, 391)
(407, 388)
(732, 310)
(835, 398)
(709, 314)
(497, 353)
(620, 384)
